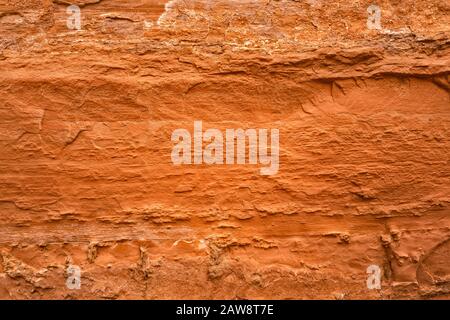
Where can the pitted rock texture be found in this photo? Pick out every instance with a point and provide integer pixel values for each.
(86, 178)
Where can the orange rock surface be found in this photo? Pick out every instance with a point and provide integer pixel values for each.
(86, 176)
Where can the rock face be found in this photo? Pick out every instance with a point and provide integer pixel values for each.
(361, 101)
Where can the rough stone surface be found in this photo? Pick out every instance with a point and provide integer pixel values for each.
(86, 176)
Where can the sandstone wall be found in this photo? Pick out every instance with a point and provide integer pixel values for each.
(86, 176)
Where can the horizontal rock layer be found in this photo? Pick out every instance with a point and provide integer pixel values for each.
(86, 176)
